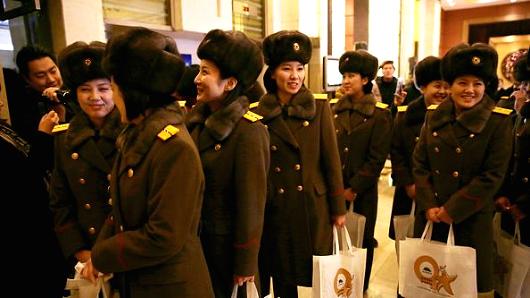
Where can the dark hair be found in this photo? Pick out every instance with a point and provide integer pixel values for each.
(138, 101)
(387, 62)
(30, 53)
(367, 89)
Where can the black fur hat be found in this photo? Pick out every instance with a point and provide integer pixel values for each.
(285, 46)
(360, 62)
(144, 60)
(426, 71)
(234, 53)
(478, 59)
(522, 69)
(186, 86)
(81, 62)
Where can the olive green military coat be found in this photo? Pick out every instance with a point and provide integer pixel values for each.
(305, 185)
(157, 184)
(459, 163)
(79, 189)
(234, 150)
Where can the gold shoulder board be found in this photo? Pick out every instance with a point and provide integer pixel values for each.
(253, 105)
(252, 117)
(60, 127)
(503, 111)
(333, 101)
(322, 96)
(168, 132)
(402, 108)
(432, 107)
(182, 103)
(505, 97)
(381, 105)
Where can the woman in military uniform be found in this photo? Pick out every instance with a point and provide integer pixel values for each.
(84, 152)
(462, 156)
(514, 198)
(363, 129)
(305, 183)
(234, 149)
(406, 132)
(150, 242)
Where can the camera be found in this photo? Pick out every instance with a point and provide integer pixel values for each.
(63, 95)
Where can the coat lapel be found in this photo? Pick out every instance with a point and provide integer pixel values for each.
(442, 120)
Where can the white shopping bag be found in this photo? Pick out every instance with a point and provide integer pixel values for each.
(404, 226)
(83, 288)
(518, 280)
(252, 291)
(355, 223)
(433, 269)
(340, 275)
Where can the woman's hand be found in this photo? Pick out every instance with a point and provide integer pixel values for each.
(517, 214)
(90, 272)
(432, 214)
(444, 216)
(502, 204)
(241, 280)
(339, 220)
(349, 195)
(411, 191)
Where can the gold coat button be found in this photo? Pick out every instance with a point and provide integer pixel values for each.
(416, 139)
(437, 172)
(471, 135)
(434, 134)
(108, 177)
(346, 149)
(297, 167)
(455, 174)
(75, 156)
(266, 126)
(335, 116)
(110, 201)
(217, 147)
(130, 173)
(281, 190)
(87, 206)
(299, 188)
(364, 120)
(274, 148)
(336, 131)
(121, 228)
(82, 181)
(436, 149)
(112, 218)
(458, 150)
(277, 169)
(92, 231)
(525, 179)
(305, 123)
(108, 188)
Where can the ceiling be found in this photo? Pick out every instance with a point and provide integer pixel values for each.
(464, 4)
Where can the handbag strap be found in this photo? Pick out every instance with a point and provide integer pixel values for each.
(427, 232)
(346, 238)
(252, 290)
(413, 208)
(451, 236)
(336, 248)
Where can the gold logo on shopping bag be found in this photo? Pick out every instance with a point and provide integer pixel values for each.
(343, 283)
(428, 272)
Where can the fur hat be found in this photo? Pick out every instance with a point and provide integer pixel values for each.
(522, 69)
(478, 59)
(426, 71)
(234, 53)
(145, 60)
(81, 62)
(186, 86)
(285, 46)
(360, 62)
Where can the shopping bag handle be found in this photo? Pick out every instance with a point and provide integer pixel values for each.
(252, 291)
(427, 233)
(413, 208)
(517, 233)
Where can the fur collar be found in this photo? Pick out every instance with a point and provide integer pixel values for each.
(474, 119)
(416, 111)
(81, 129)
(302, 106)
(221, 123)
(364, 106)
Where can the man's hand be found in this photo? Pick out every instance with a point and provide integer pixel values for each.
(48, 121)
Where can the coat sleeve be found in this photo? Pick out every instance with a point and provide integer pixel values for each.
(480, 191)
(401, 167)
(368, 174)
(422, 173)
(329, 155)
(174, 199)
(63, 206)
(252, 165)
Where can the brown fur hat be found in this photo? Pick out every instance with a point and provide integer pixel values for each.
(426, 71)
(144, 60)
(478, 59)
(285, 46)
(81, 62)
(360, 62)
(234, 53)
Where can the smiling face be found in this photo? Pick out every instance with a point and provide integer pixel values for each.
(467, 91)
(435, 92)
(43, 73)
(289, 77)
(95, 99)
(352, 84)
(210, 86)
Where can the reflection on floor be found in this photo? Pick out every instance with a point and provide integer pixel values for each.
(383, 282)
